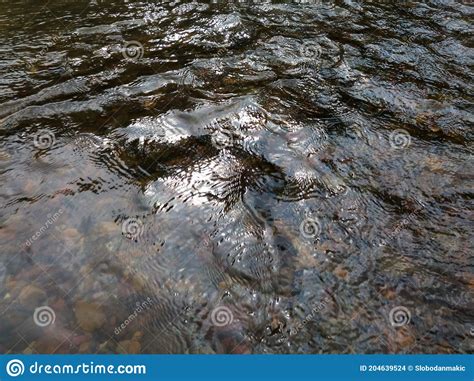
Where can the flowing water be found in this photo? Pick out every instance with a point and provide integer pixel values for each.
(236, 177)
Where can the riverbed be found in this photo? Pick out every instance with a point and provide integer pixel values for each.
(253, 177)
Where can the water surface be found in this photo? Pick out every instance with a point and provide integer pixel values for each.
(236, 177)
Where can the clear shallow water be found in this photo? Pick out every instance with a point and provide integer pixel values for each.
(236, 178)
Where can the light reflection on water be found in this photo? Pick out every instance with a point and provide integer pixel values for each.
(269, 178)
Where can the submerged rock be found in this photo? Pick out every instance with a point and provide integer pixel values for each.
(32, 296)
(89, 316)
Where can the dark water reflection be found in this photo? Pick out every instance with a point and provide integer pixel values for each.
(236, 178)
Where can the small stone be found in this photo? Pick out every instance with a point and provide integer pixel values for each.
(275, 324)
(31, 295)
(89, 316)
(49, 345)
(138, 282)
(4, 155)
(77, 340)
(404, 339)
(108, 228)
(58, 304)
(30, 187)
(103, 347)
(134, 347)
(388, 293)
(340, 272)
(71, 233)
(85, 347)
(137, 336)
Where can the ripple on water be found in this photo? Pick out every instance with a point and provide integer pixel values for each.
(250, 160)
